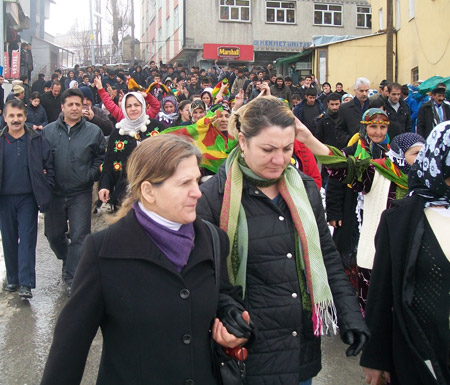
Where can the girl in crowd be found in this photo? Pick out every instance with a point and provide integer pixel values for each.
(409, 302)
(148, 281)
(207, 97)
(168, 114)
(184, 113)
(36, 115)
(281, 251)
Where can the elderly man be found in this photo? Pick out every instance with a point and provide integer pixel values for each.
(78, 147)
(350, 113)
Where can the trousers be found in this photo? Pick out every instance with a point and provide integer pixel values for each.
(18, 225)
(72, 216)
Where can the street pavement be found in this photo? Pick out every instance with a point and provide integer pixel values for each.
(26, 329)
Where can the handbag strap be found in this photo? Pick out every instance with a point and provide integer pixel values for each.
(216, 251)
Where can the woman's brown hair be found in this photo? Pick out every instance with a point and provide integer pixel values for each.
(155, 160)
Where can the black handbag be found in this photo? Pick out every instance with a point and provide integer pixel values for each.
(232, 371)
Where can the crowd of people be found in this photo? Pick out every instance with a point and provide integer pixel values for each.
(224, 184)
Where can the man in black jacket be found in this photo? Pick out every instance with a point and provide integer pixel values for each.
(350, 113)
(51, 101)
(433, 112)
(397, 109)
(26, 178)
(78, 148)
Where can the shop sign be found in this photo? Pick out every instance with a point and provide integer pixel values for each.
(229, 52)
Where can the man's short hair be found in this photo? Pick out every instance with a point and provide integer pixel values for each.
(71, 92)
(58, 71)
(334, 96)
(311, 92)
(41, 76)
(394, 85)
(17, 104)
(308, 77)
(339, 84)
(326, 83)
(405, 90)
(56, 83)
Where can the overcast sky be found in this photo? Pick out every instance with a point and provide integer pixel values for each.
(64, 14)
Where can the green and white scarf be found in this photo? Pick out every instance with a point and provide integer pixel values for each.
(311, 271)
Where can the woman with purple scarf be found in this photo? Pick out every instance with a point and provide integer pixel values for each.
(149, 282)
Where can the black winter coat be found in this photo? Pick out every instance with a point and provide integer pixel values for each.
(401, 117)
(77, 155)
(285, 350)
(155, 321)
(52, 105)
(388, 312)
(426, 120)
(349, 118)
(36, 116)
(39, 159)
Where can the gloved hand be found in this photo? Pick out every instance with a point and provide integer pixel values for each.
(356, 339)
(231, 318)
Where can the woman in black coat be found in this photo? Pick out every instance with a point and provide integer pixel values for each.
(282, 253)
(148, 281)
(408, 306)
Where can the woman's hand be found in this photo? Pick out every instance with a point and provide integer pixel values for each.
(221, 335)
(98, 82)
(374, 375)
(103, 195)
(239, 100)
(305, 136)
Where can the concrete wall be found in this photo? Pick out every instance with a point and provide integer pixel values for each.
(201, 30)
(356, 58)
(423, 40)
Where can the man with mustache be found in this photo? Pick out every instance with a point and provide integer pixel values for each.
(26, 180)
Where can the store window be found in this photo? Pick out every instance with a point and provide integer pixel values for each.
(234, 10)
(363, 17)
(328, 14)
(280, 12)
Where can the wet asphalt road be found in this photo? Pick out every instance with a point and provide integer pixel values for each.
(26, 329)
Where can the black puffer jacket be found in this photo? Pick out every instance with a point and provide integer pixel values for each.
(285, 350)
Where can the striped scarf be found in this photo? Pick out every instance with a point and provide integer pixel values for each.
(311, 271)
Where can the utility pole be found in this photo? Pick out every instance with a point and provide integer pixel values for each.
(91, 32)
(389, 40)
(132, 31)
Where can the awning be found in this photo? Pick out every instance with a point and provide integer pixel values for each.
(293, 58)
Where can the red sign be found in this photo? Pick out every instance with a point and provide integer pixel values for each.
(6, 65)
(228, 52)
(15, 64)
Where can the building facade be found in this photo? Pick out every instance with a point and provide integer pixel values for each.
(243, 31)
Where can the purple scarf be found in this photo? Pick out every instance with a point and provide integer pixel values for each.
(176, 245)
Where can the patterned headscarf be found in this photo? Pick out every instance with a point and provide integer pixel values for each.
(427, 175)
(366, 148)
(399, 145)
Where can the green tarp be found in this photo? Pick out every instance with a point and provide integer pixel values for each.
(431, 83)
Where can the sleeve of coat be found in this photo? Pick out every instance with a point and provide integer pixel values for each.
(112, 107)
(345, 300)
(153, 106)
(100, 119)
(98, 156)
(47, 158)
(77, 324)
(377, 353)
(421, 122)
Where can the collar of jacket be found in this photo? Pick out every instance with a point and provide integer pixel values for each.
(62, 124)
(137, 244)
(28, 131)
